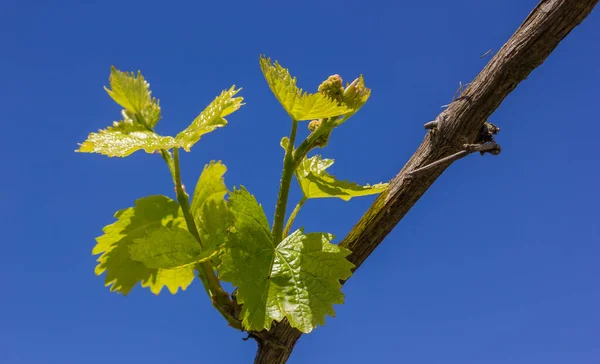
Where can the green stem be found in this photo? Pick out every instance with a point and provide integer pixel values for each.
(169, 159)
(308, 144)
(226, 308)
(284, 187)
(219, 297)
(292, 217)
(163, 152)
(212, 285)
(184, 199)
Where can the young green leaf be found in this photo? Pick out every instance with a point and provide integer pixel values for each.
(141, 114)
(127, 136)
(355, 96)
(285, 142)
(210, 186)
(315, 182)
(211, 118)
(133, 93)
(298, 104)
(166, 248)
(212, 225)
(116, 142)
(209, 208)
(297, 278)
(133, 223)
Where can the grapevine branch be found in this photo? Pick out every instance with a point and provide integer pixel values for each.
(541, 32)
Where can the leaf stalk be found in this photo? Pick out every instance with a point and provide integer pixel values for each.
(293, 215)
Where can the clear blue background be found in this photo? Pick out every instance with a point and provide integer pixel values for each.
(497, 263)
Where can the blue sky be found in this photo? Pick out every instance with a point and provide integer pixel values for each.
(497, 263)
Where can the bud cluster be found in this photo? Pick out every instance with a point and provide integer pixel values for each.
(314, 125)
(333, 87)
(321, 140)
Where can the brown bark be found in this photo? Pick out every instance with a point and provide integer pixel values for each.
(459, 124)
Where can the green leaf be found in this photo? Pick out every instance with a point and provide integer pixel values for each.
(209, 208)
(127, 136)
(166, 248)
(317, 106)
(298, 104)
(127, 125)
(315, 182)
(123, 273)
(355, 96)
(122, 140)
(297, 278)
(141, 114)
(212, 225)
(211, 118)
(152, 114)
(285, 142)
(133, 93)
(210, 185)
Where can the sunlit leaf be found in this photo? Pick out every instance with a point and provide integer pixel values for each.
(115, 143)
(123, 273)
(142, 112)
(128, 136)
(355, 96)
(211, 118)
(209, 208)
(285, 142)
(300, 105)
(152, 114)
(166, 248)
(210, 185)
(133, 93)
(299, 278)
(315, 182)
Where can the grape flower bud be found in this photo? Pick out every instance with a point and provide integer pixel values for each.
(314, 125)
(332, 88)
(322, 140)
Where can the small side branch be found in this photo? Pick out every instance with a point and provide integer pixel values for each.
(431, 125)
(492, 148)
